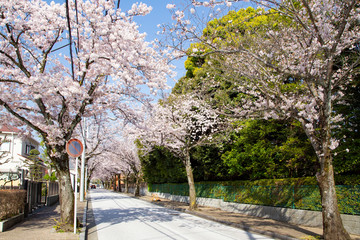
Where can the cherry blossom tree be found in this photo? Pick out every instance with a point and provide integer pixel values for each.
(294, 69)
(50, 90)
(128, 159)
(97, 133)
(104, 170)
(120, 157)
(180, 123)
(109, 152)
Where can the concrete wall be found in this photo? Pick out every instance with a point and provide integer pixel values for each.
(51, 200)
(143, 191)
(8, 223)
(295, 216)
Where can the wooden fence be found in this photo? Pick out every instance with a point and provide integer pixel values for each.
(40, 194)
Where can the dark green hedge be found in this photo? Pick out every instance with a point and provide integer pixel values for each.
(299, 193)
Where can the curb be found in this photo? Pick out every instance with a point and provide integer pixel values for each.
(83, 231)
(9, 222)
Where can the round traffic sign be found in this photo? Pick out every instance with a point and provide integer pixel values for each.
(74, 147)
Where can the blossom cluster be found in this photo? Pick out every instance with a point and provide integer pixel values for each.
(179, 123)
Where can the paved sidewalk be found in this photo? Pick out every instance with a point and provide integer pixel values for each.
(39, 225)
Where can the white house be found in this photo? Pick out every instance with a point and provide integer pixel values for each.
(14, 151)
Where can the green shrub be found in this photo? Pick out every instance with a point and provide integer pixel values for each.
(297, 193)
(347, 180)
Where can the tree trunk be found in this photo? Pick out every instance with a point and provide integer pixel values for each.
(333, 227)
(66, 196)
(119, 182)
(137, 186)
(190, 178)
(126, 184)
(88, 183)
(114, 183)
(66, 193)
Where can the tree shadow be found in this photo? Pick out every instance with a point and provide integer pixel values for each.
(152, 217)
(264, 216)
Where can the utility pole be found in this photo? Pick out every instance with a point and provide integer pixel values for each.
(82, 175)
(86, 177)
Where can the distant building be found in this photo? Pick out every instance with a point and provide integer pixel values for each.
(14, 155)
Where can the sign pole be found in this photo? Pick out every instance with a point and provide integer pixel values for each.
(75, 192)
(75, 148)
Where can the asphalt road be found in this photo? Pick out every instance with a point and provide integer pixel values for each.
(116, 216)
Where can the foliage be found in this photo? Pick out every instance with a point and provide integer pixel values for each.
(35, 164)
(347, 179)
(51, 178)
(347, 155)
(205, 69)
(311, 237)
(161, 166)
(207, 163)
(205, 74)
(62, 227)
(297, 193)
(270, 149)
(287, 153)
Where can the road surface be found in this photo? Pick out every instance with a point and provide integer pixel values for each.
(118, 216)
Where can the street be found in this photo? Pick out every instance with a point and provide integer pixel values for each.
(117, 216)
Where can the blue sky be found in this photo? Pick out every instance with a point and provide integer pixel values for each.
(148, 24)
(159, 14)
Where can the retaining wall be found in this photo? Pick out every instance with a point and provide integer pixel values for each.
(51, 200)
(143, 191)
(8, 223)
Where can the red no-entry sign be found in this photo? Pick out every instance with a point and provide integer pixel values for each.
(74, 147)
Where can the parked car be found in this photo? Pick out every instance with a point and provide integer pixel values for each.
(93, 186)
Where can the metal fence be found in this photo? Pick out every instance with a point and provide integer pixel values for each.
(306, 197)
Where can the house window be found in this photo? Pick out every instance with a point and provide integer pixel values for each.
(5, 147)
(28, 148)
